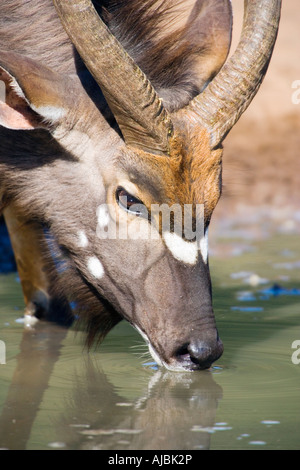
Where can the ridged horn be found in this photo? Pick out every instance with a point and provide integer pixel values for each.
(221, 104)
(139, 112)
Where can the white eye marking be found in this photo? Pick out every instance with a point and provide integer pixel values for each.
(184, 251)
(95, 267)
(103, 216)
(204, 247)
(82, 239)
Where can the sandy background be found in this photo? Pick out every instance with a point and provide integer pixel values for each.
(262, 152)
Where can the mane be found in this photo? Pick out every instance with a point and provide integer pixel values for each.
(159, 36)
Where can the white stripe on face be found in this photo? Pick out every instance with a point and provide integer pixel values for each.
(204, 246)
(186, 251)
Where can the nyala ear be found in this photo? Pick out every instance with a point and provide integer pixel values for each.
(36, 96)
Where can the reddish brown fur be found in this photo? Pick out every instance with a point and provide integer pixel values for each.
(191, 174)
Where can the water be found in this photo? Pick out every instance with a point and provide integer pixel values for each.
(55, 395)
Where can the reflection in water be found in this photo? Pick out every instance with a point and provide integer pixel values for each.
(163, 418)
(95, 416)
(39, 351)
(57, 396)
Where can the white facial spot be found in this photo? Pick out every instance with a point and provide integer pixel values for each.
(82, 239)
(204, 247)
(95, 267)
(184, 251)
(103, 216)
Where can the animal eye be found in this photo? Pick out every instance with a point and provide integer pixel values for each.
(131, 203)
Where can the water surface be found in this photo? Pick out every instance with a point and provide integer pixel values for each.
(55, 395)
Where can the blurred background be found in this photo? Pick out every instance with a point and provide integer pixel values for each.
(261, 156)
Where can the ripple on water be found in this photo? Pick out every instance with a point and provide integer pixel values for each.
(57, 445)
(257, 443)
(269, 422)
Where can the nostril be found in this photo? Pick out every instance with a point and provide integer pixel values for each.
(183, 353)
(198, 354)
(193, 353)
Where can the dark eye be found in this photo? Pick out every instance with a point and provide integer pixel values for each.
(131, 203)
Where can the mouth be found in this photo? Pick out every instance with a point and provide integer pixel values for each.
(184, 362)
